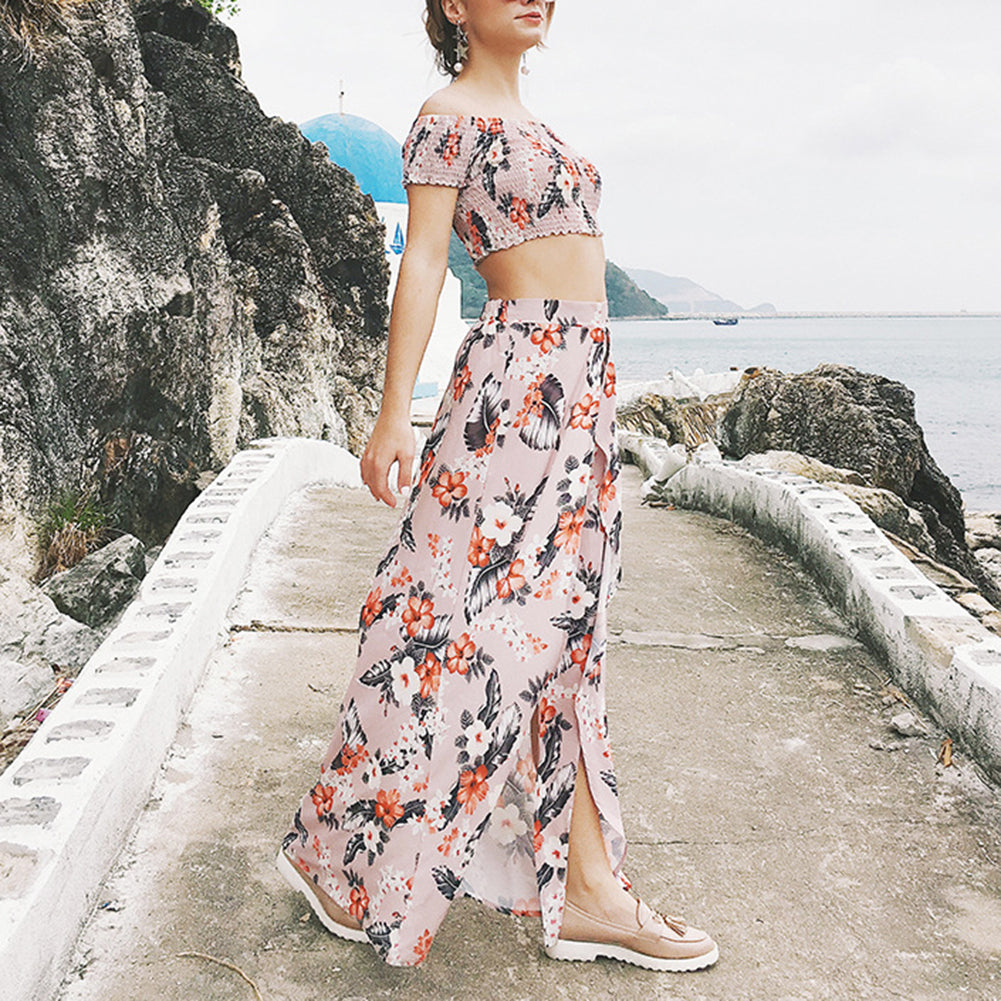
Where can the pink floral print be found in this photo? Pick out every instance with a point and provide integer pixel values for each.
(517, 180)
(489, 605)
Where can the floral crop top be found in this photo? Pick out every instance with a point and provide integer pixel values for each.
(516, 178)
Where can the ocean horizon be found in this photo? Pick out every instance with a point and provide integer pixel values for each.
(951, 362)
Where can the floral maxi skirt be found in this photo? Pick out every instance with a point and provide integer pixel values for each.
(479, 680)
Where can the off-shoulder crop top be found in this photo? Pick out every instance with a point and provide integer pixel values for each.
(516, 178)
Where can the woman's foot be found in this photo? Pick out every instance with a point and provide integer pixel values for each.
(616, 924)
(332, 916)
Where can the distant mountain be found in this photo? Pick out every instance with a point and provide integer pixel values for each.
(682, 295)
(626, 298)
(474, 288)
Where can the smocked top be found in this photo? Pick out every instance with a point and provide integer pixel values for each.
(517, 179)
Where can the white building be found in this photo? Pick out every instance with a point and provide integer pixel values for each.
(374, 157)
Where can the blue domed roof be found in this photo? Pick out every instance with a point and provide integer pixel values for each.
(364, 148)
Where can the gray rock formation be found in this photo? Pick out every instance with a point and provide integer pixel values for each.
(860, 421)
(983, 529)
(94, 590)
(677, 421)
(36, 640)
(179, 272)
(803, 465)
(21, 686)
(658, 416)
(983, 535)
(888, 511)
(990, 560)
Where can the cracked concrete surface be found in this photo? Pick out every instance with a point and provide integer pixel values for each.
(741, 712)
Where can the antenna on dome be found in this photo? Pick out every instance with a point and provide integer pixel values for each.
(341, 98)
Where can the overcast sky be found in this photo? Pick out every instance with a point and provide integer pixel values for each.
(817, 154)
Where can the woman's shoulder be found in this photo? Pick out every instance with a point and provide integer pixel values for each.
(452, 102)
(440, 145)
(444, 102)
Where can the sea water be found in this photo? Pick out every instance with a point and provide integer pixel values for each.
(952, 364)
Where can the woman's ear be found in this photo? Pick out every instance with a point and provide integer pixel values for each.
(454, 10)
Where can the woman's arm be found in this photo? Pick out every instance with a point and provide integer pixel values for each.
(415, 301)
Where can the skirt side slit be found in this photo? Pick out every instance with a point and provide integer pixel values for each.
(479, 684)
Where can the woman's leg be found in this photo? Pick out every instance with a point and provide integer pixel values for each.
(664, 944)
(591, 884)
(333, 909)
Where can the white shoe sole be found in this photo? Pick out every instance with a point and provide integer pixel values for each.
(567, 949)
(284, 865)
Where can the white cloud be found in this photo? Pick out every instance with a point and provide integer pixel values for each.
(768, 149)
(910, 106)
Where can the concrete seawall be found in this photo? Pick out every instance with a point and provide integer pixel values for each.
(69, 799)
(937, 651)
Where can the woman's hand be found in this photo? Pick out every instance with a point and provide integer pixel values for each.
(392, 441)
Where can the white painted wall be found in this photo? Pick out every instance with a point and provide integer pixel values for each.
(449, 327)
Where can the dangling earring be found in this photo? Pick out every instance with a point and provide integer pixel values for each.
(524, 63)
(461, 46)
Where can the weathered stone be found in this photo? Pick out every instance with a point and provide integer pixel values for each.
(179, 271)
(687, 422)
(990, 560)
(802, 465)
(101, 584)
(888, 511)
(21, 686)
(35, 639)
(975, 603)
(50, 768)
(908, 725)
(992, 620)
(983, 529)
(659, 416)
(151, 556)
(861, 421)
(38, 811)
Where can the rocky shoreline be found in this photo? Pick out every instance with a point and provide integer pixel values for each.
(48, 631)
(181, 273)
(855, 430)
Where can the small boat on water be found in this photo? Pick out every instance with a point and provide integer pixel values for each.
(725, 321)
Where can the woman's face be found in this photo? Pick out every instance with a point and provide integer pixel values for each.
(506, 25)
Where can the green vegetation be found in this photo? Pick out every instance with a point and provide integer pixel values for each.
(74, 525)
(219, 7)
(626, 298)
(474, 288)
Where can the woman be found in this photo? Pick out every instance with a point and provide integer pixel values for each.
(472, 754)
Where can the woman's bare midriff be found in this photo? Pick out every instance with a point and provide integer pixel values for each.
(564, 266)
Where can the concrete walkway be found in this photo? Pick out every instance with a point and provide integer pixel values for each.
(764, 794)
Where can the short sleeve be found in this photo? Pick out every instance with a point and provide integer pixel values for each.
(438, 150)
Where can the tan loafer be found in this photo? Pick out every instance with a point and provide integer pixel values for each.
(656, 941)
(298, 880)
